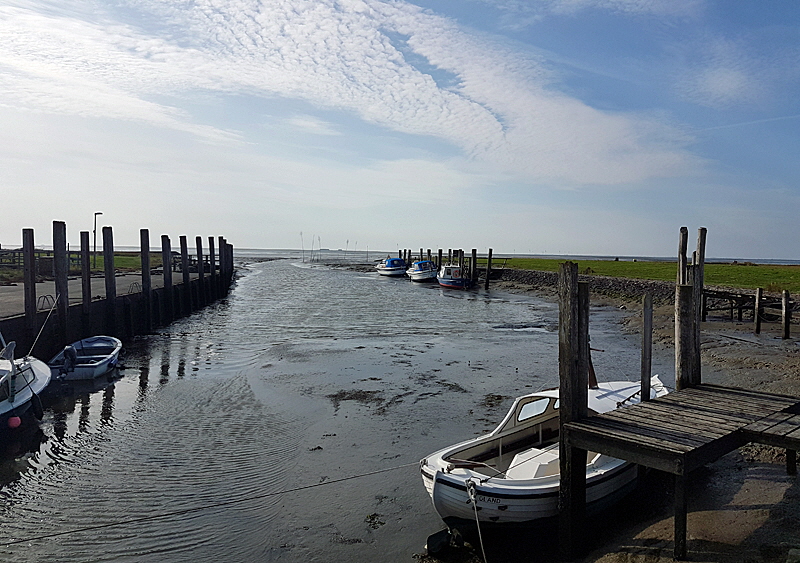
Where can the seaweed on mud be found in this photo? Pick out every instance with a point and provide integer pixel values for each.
(393, 401)
(492, 400)
(359, 395)
(452, 386)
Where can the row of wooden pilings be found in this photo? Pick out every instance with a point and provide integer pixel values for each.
(137, 312)
(454, 257)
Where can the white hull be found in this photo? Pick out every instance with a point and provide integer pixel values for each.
(391, 271)
(32, 377)
(96, 356)
(514, 470)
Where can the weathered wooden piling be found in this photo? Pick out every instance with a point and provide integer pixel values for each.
(186, 295)
(201, 272)
(758, 311)
(29, 269)
(786, 314)
(61, 274)
(86, 281)
(111, 281)
(147, 281)
(573, 361)
(647, 345)
(212, 261)
(168, 305)
(488, 269)
(439, 259)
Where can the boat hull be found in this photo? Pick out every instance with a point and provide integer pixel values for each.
(96, 356)
(455, 283)
(33, 376)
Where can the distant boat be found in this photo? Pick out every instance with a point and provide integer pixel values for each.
(453, 276)
(422, 270)
(86, 359)
(392, 267)
(21, 382)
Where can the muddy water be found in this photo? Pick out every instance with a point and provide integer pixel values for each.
(302, 377)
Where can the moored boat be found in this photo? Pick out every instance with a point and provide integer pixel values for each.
(422, 270)
(512, 474)
(86, 359)
(454, 276)
(392, 267)
(21, 382)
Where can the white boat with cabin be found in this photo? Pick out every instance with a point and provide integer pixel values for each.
(21, 382)
(511, 475)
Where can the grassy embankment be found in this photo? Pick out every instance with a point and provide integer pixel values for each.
(123, 262)
(745, 275)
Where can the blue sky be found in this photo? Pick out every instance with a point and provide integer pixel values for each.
(553, 126)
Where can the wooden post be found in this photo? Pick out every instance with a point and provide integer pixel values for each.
(439, 260)
(421, 255)
(683, 243)
(473, 266)
(187, 294)
(681, 509)
(201, 267)
(29, 273)
(757, 311)
(147, 281)
(111, 281)
(573, 381)
(786, 314)
(223, 266)
(166, 262)
(61, 273)
(647, 344)
(698, 275)
(684, 336)
(449, 256)
(212, 264)
(429, 255)
(488, 269)
(86, 278)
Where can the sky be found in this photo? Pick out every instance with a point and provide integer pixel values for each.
(591, 127)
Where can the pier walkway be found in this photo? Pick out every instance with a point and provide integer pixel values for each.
(687, 429)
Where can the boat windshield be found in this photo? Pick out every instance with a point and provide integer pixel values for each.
(533, 408)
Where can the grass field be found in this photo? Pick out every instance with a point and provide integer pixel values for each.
(744, 275)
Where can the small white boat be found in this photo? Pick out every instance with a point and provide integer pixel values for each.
(86, 359)
(392, 267)
(422, 270)
(513, 472)
(21, 382)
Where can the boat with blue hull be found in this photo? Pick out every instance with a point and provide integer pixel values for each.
(86, 359)
(454, 277)
(21, 382)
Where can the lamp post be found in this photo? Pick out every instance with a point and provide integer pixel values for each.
(94, 236)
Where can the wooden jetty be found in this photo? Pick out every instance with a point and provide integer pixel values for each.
(676, 433)
(116, 315)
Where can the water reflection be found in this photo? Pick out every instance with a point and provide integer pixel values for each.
(16, 446)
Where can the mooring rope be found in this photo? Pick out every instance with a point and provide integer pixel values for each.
(204, 507)
(473, 496)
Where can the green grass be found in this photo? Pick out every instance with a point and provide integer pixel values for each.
(123, 262)
(744, 275)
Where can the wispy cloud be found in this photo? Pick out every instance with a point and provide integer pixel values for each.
(501, 108)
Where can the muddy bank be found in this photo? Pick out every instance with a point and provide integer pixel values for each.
(742, 508)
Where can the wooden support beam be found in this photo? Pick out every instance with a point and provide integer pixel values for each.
(109, 273)
(473, 266)
(61, 274)
(647, 344)
(212, 263)
(86, 277)
(757, 310)
(786, 314)
(488, 269)
(166, 263)
(698, 280)
(683, 244)
(201, 272)
(439, 259)
(573, 347)
(684, 336)
(681, 509)
(186, 306)
(29, 276)
(147, 282)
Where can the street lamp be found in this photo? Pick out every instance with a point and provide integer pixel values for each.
(94, 236)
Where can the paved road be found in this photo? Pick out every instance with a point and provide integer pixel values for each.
(12, 297)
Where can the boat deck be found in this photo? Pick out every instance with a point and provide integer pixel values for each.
(684, 430)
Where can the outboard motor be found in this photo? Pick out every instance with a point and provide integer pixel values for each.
(70, 359)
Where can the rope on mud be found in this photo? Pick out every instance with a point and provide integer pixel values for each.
(204, 507)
